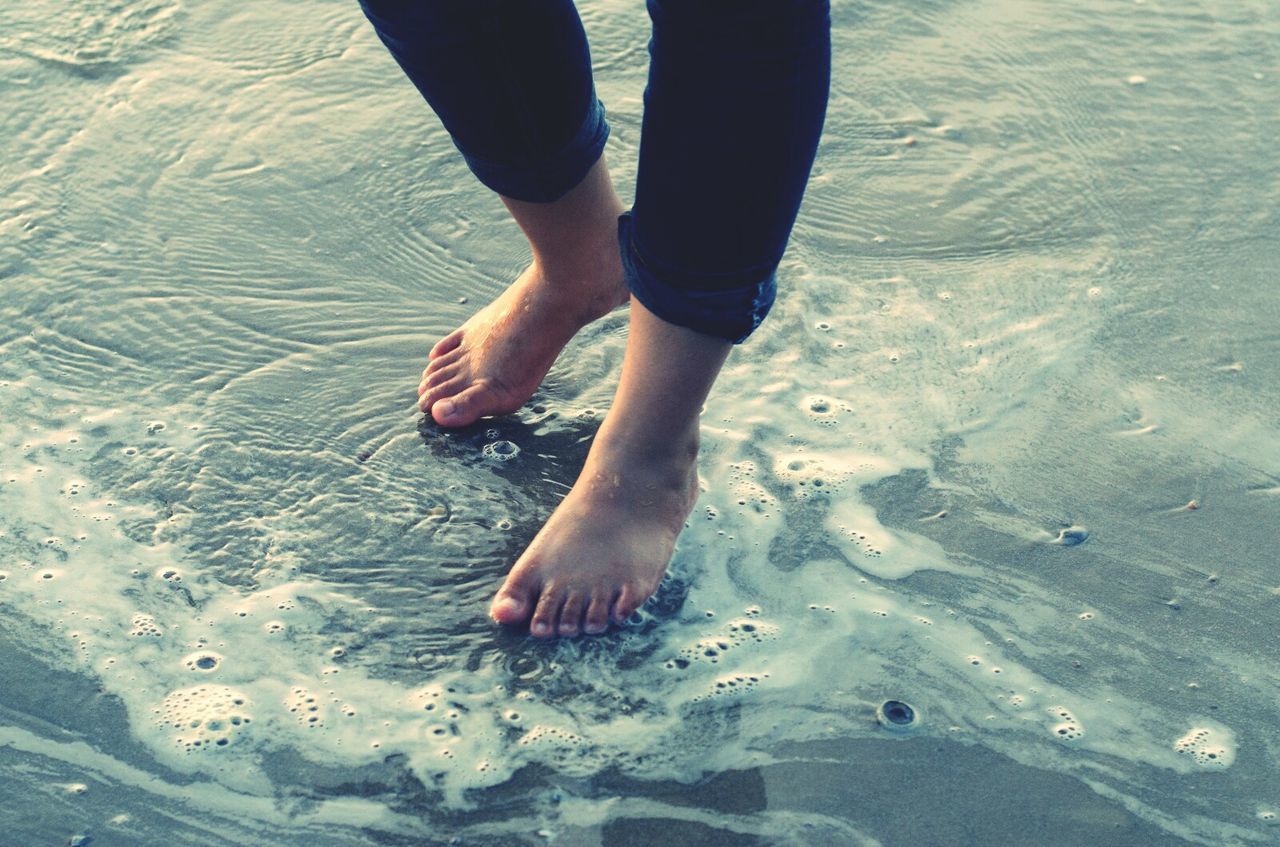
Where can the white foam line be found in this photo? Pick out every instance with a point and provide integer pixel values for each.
(211, 797)
(590, 813)
(1209, 831)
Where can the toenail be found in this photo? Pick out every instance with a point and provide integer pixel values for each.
(504, 606)
(540, 628)
(448, 408)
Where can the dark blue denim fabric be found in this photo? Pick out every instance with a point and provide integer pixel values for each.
(734, 106)
(511, 82)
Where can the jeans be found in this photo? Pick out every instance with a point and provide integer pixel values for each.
(733, 109)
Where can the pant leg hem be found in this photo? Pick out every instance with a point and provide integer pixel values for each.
(550, 178)
(728, 313)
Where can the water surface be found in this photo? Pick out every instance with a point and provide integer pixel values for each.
(1006, 450)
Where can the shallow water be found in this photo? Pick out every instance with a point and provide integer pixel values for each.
(1006, 450)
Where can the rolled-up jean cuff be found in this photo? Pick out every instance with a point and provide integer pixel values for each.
(731, 313)
(549, 178)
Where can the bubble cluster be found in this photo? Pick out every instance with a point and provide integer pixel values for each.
(543, 735)
(429, 699)
(1067, 728)
(305, 706)
(145, 626)
(500, 451)
(204, 716)
(735, 633)
(731, 685)
(810, 476)
(204, 661)
(860, 538)
(1207, 747)
(822, 410)
(747, 491)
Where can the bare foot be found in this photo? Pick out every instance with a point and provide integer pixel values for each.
(605, 548)
(493, 363)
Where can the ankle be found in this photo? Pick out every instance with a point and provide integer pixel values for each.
(666, 456)
(582, 252)
(587, 280)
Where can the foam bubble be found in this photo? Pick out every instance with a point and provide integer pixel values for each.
(500, 451)
(203, 661)
(305, 706)
(1210, 747)
(731, 685)
(543, 735)
(204, 716)
(145, 626)
(810, 475)
(897, 716)
(732, 635)
(747, 490)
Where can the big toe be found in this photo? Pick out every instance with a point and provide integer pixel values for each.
(509, 608)
(513, 604)
(461, 409)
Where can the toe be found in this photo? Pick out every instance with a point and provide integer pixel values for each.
(444, 345)
(544, 617)
(571, 615)
(629, 599)
(436, 378)
(597, 620)
(459, 409)
(514, 601)
(443, 366)
(434, 395)
(442, 374)
(429, 394)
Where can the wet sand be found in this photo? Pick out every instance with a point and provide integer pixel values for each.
(1005, 450)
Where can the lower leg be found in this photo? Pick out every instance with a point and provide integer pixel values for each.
(605, 548)
(511, 82)
(494, 362)
(708, 229)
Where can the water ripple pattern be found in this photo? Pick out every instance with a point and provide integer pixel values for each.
(1005, 450)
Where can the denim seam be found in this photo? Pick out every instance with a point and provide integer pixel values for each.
(711, 312)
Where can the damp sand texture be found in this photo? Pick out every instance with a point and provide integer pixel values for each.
(1006, 451)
